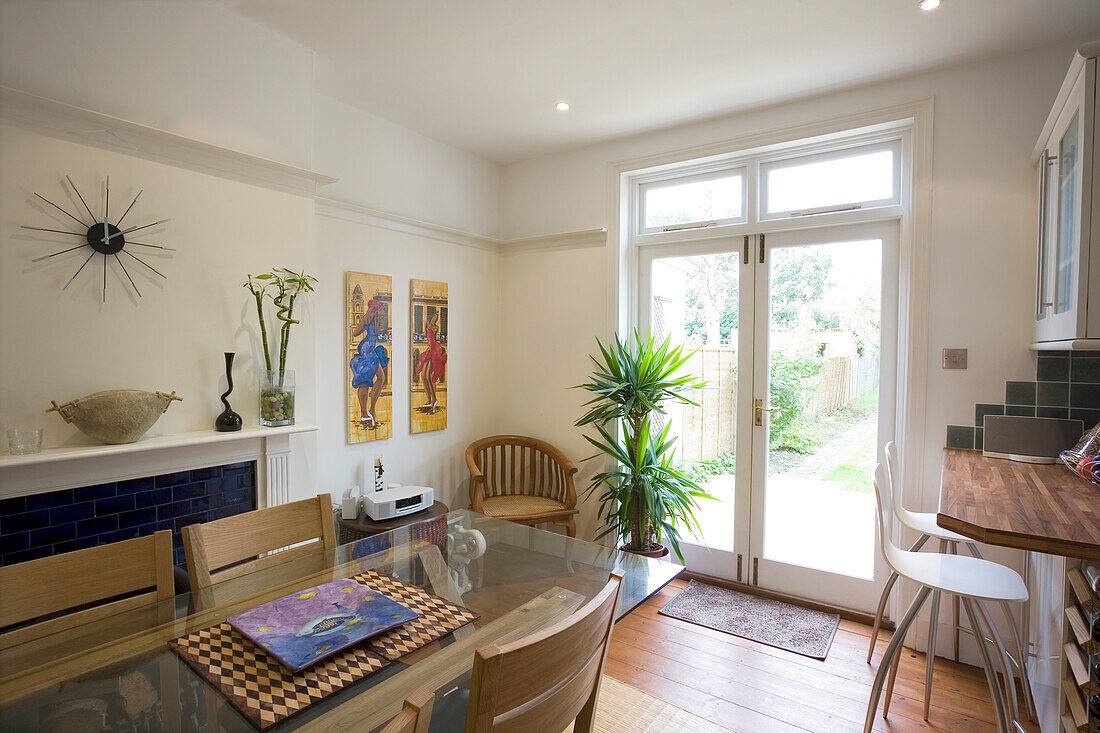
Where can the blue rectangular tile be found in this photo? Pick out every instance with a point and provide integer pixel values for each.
(204, 474)
(53, 535)
(24, 522)
(114, 505)
(32, 554)
(96, 526)
(172, 479)
(249, 465)
(238, 496)
(135, 485)
(206, 503)
(49, 499)
(152, 497)
(173, 510)
(90, 493)
(188, 491)
(126, 533)
(77, 544)
(148, 515)
(14, 505)
(183, 521)
(15, 542)
(72, 512)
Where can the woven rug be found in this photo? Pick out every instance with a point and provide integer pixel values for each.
(625, 709)
(265, 692)
(775, 623)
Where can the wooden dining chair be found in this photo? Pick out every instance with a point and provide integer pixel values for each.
(243, 543)
(549, 679)
(77, 588)
(415, 716)
(139, 569)
(523, 480)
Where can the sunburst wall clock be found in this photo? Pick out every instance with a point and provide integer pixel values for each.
(103, 237)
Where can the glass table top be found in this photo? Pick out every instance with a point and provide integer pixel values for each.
(519, 579)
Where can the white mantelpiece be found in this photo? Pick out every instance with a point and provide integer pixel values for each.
(68, 468)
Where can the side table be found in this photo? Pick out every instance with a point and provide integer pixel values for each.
(363, 526)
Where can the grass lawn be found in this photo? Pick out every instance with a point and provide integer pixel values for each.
(855, 473)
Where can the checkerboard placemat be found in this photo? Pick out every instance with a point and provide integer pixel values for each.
(265, 692)
(437, 616)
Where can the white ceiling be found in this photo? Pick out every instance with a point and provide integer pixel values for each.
(484, 75)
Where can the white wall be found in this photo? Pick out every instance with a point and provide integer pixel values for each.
(62, 345)
(987, 116)
(473, 393)
(192, 68)
(200, 71)
(388, 167)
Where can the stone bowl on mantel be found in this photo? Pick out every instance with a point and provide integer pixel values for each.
(115, 416)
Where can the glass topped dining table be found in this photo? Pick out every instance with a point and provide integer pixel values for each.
(120, 671)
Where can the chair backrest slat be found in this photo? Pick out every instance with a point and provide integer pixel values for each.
(415, 715)
(61, 582)
(544, 681)
(212, 546)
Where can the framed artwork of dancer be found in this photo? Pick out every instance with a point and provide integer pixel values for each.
(428, 386)
(370, 347)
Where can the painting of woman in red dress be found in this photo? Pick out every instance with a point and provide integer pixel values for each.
(431, 364)
(429, 344)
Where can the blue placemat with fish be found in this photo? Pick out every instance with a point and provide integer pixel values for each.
(304, 627)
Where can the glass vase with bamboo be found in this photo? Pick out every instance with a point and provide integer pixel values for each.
(283, 287)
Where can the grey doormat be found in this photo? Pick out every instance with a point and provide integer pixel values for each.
(775, 623)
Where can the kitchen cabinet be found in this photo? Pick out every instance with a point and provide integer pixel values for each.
(1066, 156)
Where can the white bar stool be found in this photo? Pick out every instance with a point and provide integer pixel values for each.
(924, 523)
(971, 579)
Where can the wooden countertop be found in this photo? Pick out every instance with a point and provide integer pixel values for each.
(1030, 506)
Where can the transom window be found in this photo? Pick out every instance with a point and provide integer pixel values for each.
(798, 180)
(709, 198)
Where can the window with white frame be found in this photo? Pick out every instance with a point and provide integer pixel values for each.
(790, 181)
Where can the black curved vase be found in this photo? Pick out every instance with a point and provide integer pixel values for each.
(228, 421)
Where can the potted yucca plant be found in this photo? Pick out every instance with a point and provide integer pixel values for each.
(645, 498)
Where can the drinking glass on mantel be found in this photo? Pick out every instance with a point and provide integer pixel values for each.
(24, 441)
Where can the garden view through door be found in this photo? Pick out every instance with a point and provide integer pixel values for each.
(786, 431)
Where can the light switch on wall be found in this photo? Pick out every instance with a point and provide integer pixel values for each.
(954, 358)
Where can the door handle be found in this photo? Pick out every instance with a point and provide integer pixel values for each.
(758, 412)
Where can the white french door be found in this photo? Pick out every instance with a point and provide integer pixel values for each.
(796, 334)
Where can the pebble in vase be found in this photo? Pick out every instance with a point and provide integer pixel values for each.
(228, 421)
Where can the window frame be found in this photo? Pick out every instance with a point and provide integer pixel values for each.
(751, 159)
(766, 165)
(726, 171)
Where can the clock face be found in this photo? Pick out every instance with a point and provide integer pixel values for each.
(105, 238)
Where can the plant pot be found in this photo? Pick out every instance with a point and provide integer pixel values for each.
(277, 398)
(658, 553)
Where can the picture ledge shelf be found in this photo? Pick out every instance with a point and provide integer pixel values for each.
(74, 466)
(69, 122)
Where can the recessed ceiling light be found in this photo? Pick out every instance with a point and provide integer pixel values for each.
(929, 4)
(564, 106)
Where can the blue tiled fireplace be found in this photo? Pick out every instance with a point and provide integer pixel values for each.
(51, 523)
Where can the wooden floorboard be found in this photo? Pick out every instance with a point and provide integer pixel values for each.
(751, 687)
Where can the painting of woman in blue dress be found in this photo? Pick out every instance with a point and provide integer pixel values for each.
(368, 366)
(369, 398)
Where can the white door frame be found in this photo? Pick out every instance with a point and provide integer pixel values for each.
(819, 585)
(712, 561)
